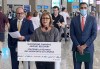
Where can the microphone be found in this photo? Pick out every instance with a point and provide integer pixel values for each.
(46, 28)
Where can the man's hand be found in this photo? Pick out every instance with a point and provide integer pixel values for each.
(59, 24)
(80, 49)
(84, 46)
(21, 38)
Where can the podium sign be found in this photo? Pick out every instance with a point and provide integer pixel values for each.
(39, 51)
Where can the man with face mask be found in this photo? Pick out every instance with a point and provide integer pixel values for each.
(83, 32)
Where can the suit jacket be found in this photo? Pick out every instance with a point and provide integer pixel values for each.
(26, 30)
(87, 36)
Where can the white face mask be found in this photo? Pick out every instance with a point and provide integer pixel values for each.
(83, 12)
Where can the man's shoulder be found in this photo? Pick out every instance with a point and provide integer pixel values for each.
(3, 15)
(27, 21)
(90, 16)
(52, 14)
(59, 14)
(13, 20)
(76, 17)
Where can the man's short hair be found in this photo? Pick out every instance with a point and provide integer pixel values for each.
(19, 7)
(83, 3)
(63, 8)
(56, 7)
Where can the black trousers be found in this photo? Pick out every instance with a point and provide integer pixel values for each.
(45, 65)
(14, 62)
(2, 37)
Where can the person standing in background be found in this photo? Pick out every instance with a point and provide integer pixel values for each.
(58, 20)
(66, 16)
(40, 13)
(4, 24)
(36, 20)
(93, 13)
(29, 15)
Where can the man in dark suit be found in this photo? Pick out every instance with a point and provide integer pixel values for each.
(25, 28)
(83, 32)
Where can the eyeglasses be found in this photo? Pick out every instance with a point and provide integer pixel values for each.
(45, 18)
(20, 13)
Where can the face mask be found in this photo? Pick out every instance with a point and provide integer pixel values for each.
(83, 12)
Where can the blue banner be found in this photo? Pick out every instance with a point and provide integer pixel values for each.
(46, 7)
(70, 0)
(39, 7)
(27, 8)
(75, 7)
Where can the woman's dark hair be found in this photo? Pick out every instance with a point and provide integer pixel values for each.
(35, 14)
(44, 14)
(63, 8)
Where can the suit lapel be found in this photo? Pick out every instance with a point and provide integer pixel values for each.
(79, 22)
(22, 26)
(15, 24)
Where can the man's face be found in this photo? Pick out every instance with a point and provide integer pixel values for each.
(55, 11)
(83, 7)
(20, 13)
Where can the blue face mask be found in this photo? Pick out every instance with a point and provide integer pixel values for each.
(83, 12)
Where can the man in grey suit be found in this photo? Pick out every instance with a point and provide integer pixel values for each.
(83, 32)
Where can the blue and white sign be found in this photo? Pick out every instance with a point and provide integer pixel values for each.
(39, 51)
(39, 7)
(46, 7)
(27, 8)
(75, 7)
(55, 3)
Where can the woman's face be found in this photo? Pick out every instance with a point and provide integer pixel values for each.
(45, 20)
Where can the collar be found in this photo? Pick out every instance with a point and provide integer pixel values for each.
(57, 15)
(20, 20)
(83, 16)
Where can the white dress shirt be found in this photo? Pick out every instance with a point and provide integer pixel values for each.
(65, 15)
(36, 22)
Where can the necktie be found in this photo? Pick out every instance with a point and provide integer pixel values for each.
(19, 25)
(82, 23)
